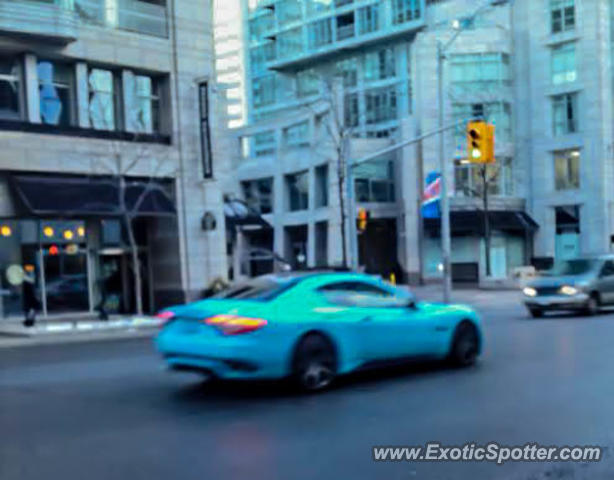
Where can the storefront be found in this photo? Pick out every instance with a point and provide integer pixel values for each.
(68, 237)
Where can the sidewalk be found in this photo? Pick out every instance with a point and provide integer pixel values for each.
(14, 333)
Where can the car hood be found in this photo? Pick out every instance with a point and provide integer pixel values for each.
(559, 281)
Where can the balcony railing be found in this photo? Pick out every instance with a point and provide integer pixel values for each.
(132, 15)
(58, 20)
(46, 19)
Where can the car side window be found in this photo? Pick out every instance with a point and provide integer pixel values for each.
(356, 287)
(357, 294)
(608, 269)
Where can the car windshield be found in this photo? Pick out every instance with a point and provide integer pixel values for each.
(572, 267)
(260, 289)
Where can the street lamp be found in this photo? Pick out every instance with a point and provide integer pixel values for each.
(459, 26)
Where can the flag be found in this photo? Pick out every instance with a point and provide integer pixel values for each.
(431, 196)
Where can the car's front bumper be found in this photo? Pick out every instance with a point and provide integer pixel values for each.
(557, 302)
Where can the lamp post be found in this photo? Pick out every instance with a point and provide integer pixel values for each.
(446, 242)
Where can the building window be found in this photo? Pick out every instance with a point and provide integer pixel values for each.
(288, 11)
(468, 179)
(375, 181)
(298, 191)
(567, 219)
(10, 88)
(290, 43)
(259, 56)
(102, 99)
(565, 113)
(348, 69)
(381, 105)
(321, 186)
(562, 15)
(258, 194)
(567, 170)
(497, 113)
(351, 112)
(55, 86)
(380, 65)
(368, 19)
(297, 135)
(259, 25)
(320, 33)
(307, 83)
(144, 104)
(345, 26)
(564, 64)
(477, 71)
(405, 11)
(318, 6)
(263, 90)
(264, 143)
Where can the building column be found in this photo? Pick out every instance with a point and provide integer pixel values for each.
(31, 88)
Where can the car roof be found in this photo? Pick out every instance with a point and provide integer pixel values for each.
(301, 277)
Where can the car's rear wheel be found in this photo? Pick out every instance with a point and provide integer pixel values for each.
(315, 366)
(536, 312)
(465, 346)
(592, 305)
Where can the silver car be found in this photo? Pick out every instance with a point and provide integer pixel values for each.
(583, 284)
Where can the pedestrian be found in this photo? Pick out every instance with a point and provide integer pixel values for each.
(30, 302)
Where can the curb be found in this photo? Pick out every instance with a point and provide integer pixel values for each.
(77, 337)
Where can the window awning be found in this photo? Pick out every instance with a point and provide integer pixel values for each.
(472, 222)
(89, 196)
(239, 214)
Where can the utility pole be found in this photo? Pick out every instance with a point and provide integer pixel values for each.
(443, 167)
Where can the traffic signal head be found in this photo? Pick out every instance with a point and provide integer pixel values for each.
(363, 219)
(480, 142)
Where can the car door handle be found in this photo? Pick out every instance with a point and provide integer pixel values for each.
(367, 320)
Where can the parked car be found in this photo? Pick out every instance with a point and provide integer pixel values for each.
(583, 284)
(313, 326)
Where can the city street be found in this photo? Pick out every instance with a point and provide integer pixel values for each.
(109, 410)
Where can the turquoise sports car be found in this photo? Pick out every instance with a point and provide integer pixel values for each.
(312, 327)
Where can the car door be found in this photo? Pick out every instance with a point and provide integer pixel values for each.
(606, 282)
(386, 326)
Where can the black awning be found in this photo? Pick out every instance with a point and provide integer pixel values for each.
(89, 196)
(239, 214)
(472, 222)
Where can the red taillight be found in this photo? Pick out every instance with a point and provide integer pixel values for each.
(235, 324)
(165, 316)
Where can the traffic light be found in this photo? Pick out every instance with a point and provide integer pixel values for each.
(480, 142)
(363, 219)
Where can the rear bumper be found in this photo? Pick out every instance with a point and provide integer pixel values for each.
(237, 357)
(557, 302)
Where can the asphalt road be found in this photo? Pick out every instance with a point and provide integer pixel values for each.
(108, 410)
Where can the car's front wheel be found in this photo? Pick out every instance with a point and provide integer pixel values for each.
(314, 367)
(536, 312)
(592, 305)
(465, 346)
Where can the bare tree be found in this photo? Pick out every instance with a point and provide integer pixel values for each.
(339, 128)
(131, 156)
(482, 191)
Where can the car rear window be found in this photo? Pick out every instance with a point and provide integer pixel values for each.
(259, 289)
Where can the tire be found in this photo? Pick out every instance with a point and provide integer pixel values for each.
(314, 365)
(465, 346)
(592, 305)
(536, 312)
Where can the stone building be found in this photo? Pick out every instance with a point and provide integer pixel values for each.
(107, 107)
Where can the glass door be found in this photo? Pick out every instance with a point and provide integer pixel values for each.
(66, 281)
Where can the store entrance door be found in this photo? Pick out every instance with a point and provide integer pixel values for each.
(66, 285)
(115, 282)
